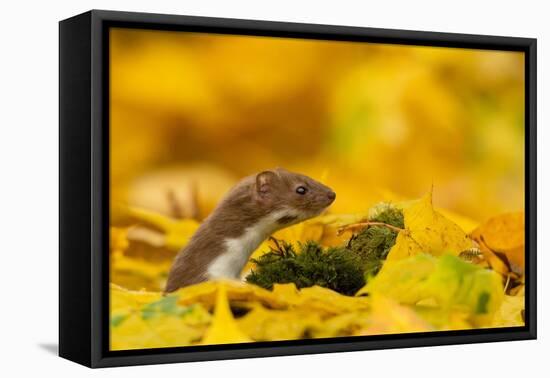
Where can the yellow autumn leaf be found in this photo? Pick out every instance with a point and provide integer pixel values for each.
(206, 293)
(465, 223)
(224, 328)
(132, 333)
(118, 239)
(333, 222)
(518, 290)
(270, 325)
(162, 332)
(124, 299)
(388, 316)
(502, 241)
(443, 319)
(287, 292)
(427, 231)
(340, 325)
(148, 320)
(177, 232)
(301, 232)
(284, 296)
(138, 273)
(510, 313)
(183, 191)
(140, 266)
(318, 299)
(328, 302)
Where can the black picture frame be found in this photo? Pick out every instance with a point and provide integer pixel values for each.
(84, 187)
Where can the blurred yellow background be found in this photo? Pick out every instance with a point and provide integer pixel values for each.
(191, 114)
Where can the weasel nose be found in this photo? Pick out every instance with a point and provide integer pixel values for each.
(331, 195)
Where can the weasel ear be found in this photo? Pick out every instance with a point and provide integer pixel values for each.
(264, 182)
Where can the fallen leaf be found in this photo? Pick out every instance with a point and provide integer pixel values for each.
(333, 222)
(124, 299)
(510, 312)
(345, 324)
(142, 319)
(502, 241)
(388, 316)
(177, 232)
(444, 319)
(319, 299)
(224, 328)
(206, 293)
(137, 273)
(427, 231)
(134, 332)
(118, 240)
(453, 284)
(269, 325)
(465, 223)
(402, 280)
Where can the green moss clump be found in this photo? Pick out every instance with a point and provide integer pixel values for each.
(372, 244)
(336, 268)
(344, 269)
(389, 214)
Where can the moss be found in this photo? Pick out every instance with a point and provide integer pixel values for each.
(344, 269)
(372, 244)
(338, 268)
(389, 214)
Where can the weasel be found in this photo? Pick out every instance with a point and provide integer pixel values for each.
(251, 211)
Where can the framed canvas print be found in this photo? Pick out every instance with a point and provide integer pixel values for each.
(235, 188)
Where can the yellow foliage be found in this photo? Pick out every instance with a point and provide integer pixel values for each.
(388, 316)
(118, 240)
(269, 325)
(427, 231)
(147, 320)
(206, 294)
(345, 324)
(122, 299)
(179, 190)
(453, 284)
(322, 300)
(183, 113)
(510, 314)
(502, 241)
(137, 333)
(186, 124)
(176, 232)
(428, 288)
(223, 329)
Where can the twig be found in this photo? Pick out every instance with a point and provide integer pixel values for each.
(507, 283)
(188, 208)
(361, 225)
(276, 242)
(174, 204)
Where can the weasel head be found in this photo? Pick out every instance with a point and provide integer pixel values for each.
(293, 196)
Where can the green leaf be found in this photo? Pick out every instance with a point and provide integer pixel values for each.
(452, 283)
(117, 319)
(167, 305)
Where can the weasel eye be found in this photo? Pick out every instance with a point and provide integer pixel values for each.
(301, 190)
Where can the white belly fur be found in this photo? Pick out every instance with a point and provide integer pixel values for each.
(238, 250)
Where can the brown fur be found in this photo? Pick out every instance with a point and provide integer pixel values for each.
(252, 199)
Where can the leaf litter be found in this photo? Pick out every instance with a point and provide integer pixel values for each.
(401, 268)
